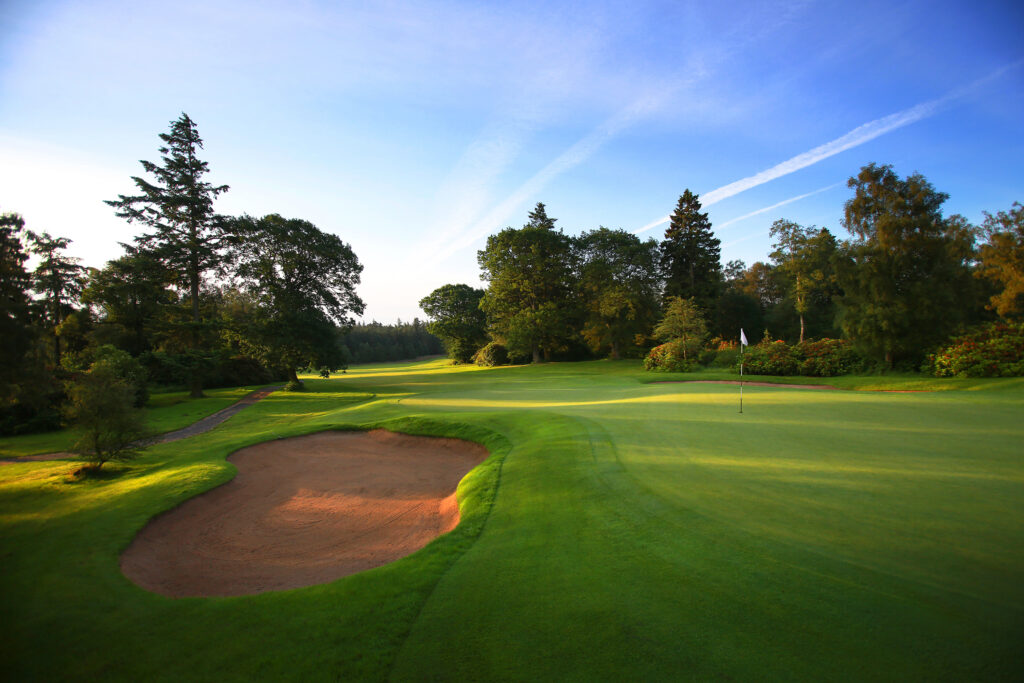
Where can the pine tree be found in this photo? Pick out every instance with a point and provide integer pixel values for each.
(15, 323)
(539, 218)
(691, 255)
(58, 279)
(178, 205)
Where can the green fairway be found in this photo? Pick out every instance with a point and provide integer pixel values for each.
(621, 530)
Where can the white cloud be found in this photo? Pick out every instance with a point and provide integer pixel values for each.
(856, 137)
(776, 205)
(575, 155)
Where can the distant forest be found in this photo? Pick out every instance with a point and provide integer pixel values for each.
(375, 342)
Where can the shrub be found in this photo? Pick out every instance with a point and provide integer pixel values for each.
(726, 358)
(770, 358)
(707, 356)
(101, 405)
(129, 369)
(827, 358)
(992, 350)
(668, 358)
(491, 355)
(820, 358)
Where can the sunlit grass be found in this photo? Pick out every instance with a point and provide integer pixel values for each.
(165, 412)
(624, 531)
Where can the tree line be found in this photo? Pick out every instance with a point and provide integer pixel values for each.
(904, 280)
(197, 299)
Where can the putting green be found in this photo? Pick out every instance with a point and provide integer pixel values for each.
(621, 530)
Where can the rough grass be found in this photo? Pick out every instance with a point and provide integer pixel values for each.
(165, 412)
(621, 530)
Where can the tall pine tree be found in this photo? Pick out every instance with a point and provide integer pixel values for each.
(187, 234)
(691, 255)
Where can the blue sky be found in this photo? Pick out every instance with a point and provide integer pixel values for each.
(415, 129)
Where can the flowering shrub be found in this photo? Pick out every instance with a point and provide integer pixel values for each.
(770, 358)
(992, 350)
(668, 358)
(827, 358)
(821, 358)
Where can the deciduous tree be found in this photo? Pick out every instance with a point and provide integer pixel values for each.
(683, 322)
(457, 319)
(618, 287)
(1002, 260)
(529, 299)
(803, 255)
(102, 406)
(906, 269)
(303, 281)
(132, 293)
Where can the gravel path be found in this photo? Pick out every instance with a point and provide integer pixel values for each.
(198, 427)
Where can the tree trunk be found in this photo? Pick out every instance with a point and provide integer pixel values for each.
(536, 353)
(615, 351)
(195, 384)
(801, 328)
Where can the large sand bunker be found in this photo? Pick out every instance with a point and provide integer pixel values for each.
(305, 511)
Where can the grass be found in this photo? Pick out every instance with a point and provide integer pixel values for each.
(620, 530)
(165, 412)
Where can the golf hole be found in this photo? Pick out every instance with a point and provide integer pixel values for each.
(305, 511)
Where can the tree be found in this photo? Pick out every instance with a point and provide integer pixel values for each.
(905, 272)
(683, 322)
(16, 333)
(690, 254)
(538, 218)
(101, 404)
(58, 279)
(457, 319)
(1002, 260)
(187, 234)
(303, 282)
(529, 303)
(804, 256)
(132, 292)
(618, 287)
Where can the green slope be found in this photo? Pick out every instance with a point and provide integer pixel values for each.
(621, 530)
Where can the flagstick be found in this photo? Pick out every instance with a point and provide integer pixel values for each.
(741, 381)
(743, 342)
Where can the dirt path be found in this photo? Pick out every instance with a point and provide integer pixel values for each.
(204, 425)
(305, 511)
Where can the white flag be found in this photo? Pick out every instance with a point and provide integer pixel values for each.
(743, 339)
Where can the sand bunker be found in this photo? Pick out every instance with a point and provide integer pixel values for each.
(305, 511)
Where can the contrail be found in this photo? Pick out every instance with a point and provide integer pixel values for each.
(858, 136)
(573, 156)
(775, 206)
